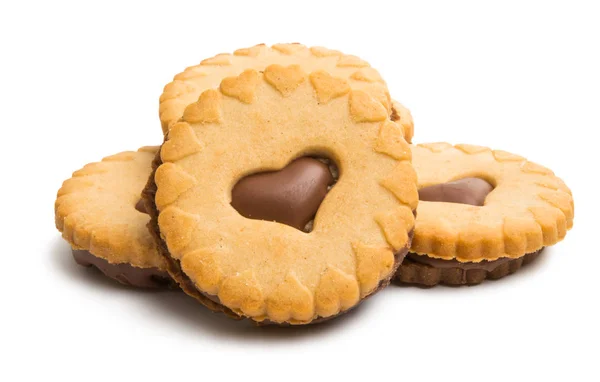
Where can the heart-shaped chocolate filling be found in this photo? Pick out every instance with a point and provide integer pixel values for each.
(290, 196)
(471, 191)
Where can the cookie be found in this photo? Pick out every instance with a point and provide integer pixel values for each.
(482, 214)
(99, 213)
(187, 86)
(297, 142)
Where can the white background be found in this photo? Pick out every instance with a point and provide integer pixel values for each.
(81, 81)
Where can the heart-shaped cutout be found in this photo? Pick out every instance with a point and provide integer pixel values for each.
(471, 191)
(289, 196)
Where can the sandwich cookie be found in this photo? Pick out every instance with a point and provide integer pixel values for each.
(285, 195)
(100, 214)
(482, 214)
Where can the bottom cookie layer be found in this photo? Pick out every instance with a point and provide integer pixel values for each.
(124, 273)
(449, 272)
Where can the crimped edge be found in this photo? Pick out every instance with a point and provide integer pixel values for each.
(173, 267)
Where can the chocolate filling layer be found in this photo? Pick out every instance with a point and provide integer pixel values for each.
(471, 191)
(413, 272)
(210, 301)
(124, 273)
(289, 196)
(485, 265)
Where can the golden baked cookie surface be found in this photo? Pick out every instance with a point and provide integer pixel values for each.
(95, 210)
(528, 209)
(261, 121)
(187, 86)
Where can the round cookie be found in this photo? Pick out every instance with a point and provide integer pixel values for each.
(187, 86)
(99, 213)
(482, 214)
(261, 124)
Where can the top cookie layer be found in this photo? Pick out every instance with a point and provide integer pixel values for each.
(528, 209)
(187, 86)
(95, 210)
(261, 121)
